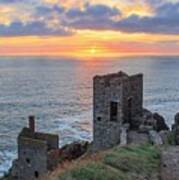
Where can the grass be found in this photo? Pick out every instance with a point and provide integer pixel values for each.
(171, 139)
(134, 162)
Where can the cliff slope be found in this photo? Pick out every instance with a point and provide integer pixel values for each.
(132, 162)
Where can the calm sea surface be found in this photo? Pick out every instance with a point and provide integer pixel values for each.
(59, 93)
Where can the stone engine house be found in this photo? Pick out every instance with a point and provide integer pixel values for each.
(118, 99)
(37, 153)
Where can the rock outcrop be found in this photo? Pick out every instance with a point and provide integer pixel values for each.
(159, 122)
(153, 121)
(73, 150)
(175, 129)
(177, 118)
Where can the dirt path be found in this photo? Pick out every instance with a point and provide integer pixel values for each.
(170, 163)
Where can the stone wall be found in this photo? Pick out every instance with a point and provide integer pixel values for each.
(32, 158)
(106, 132)
(132, 89)
(136, 83)
(52, 159)
(51, 139)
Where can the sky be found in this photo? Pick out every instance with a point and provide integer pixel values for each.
(89, 28)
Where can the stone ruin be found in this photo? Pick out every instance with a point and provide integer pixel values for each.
(37, 153)
(119, 116)
(118, 99)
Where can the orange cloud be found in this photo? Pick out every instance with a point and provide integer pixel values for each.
(91, 44)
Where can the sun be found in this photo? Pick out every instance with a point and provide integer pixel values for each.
(93, 50)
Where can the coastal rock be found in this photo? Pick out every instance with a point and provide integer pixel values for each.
(150, 122)
(177, 118)
(147, 121)
(73, 150)
(147, 114)
(175, 129)
(177, 136)
(160, 122)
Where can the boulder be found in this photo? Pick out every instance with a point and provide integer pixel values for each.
(159, 122)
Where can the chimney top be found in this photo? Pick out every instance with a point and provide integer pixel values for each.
(32, 123)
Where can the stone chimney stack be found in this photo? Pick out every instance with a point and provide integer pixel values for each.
(32, 123)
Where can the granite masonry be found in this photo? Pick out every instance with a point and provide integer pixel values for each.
(118, 99)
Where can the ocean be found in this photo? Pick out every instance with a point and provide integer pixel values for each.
(58, 92)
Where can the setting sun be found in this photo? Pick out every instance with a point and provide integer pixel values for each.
(93, 50)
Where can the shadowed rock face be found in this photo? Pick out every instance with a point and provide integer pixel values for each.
(175, 129)
(73, 150)
(177, 118)
(160, 122)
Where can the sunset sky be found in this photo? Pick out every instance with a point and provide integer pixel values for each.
(89, 28)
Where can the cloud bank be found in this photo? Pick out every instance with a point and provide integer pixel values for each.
(50, 19)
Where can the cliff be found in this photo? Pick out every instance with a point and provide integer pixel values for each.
(131, 162)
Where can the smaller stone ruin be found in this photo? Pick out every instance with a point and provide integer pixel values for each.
(37, 153)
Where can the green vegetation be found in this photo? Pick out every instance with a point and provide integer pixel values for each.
(171, 139)
(120, 163)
